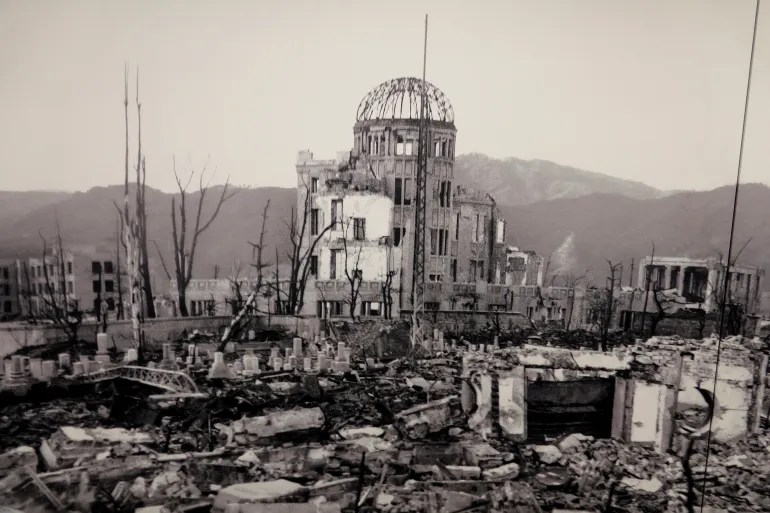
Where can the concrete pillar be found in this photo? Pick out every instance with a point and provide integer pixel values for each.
(131, 356)
(297, 347)
(36, 367)
(513, 402)
(102, 343)
(218, 368)
(666, 277)
(680, 281)
(48, 369)
(712, 282)
(65, 361)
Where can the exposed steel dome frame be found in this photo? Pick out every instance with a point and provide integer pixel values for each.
(400, 99)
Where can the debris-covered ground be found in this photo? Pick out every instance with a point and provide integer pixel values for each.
(387, 434)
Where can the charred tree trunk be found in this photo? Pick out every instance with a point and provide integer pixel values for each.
(119, 276)
(184, 253)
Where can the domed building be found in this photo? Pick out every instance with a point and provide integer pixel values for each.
(360, 211)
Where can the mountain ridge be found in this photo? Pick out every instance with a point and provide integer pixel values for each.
(587, 222)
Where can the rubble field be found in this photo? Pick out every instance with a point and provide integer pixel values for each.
(338, 427)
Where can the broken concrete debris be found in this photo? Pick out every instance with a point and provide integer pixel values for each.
(538, 429)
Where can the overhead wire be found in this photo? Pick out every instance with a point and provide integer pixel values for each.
(726, 282)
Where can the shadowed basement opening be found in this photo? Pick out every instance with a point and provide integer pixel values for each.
(556, 408)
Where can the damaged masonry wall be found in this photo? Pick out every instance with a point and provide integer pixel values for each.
(647, 386)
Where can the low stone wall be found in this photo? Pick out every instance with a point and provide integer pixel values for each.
(460, 320)
(14, 336)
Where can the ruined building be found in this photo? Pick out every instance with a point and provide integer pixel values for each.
(89, 279)
(359, 213)
(699, 281)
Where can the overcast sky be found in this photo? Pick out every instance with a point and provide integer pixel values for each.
(644, 90)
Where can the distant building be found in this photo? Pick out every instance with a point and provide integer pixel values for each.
(41, 281)
(220, 296)
(523, 268)
(689, 292)
(9, 294)
(88, 280)
(701, 281)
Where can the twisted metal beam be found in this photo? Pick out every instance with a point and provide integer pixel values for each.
(400, 98)
(174, 381)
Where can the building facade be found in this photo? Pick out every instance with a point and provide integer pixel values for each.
(9, 293)
(88, 281)
(701, 281)
(360, 212)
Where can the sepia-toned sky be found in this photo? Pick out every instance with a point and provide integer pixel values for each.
(644, 90)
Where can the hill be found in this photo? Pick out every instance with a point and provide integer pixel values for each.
(520, 182)
(88, 221)
(16, 204)
(583, 231)
(592, 229)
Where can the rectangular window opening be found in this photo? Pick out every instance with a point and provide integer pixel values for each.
(359, 228)
(314, 221)
(336, 212)
(399, 145)
(407, 191)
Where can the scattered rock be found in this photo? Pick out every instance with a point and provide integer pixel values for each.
(548, 454)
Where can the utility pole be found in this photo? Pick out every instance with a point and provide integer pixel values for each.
(418, 266)
(631, 274)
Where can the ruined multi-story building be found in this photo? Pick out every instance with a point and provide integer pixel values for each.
(679, 295)
(89, 279)
(701, 281)
(359, 210)
(45, 280)
(523, 268)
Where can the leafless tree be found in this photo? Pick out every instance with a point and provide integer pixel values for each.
(664, 305)
(610, 302)
(119, 269)
(141, 213)
(735, 310)
(236, 288)
(602, 304)
(571, 281)
(60, 305)
(132, 235)
(387, 285)
(27, 293)
(184, 251)
(250, 305)
(354, 275)
(300, 253)
(257, 250)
